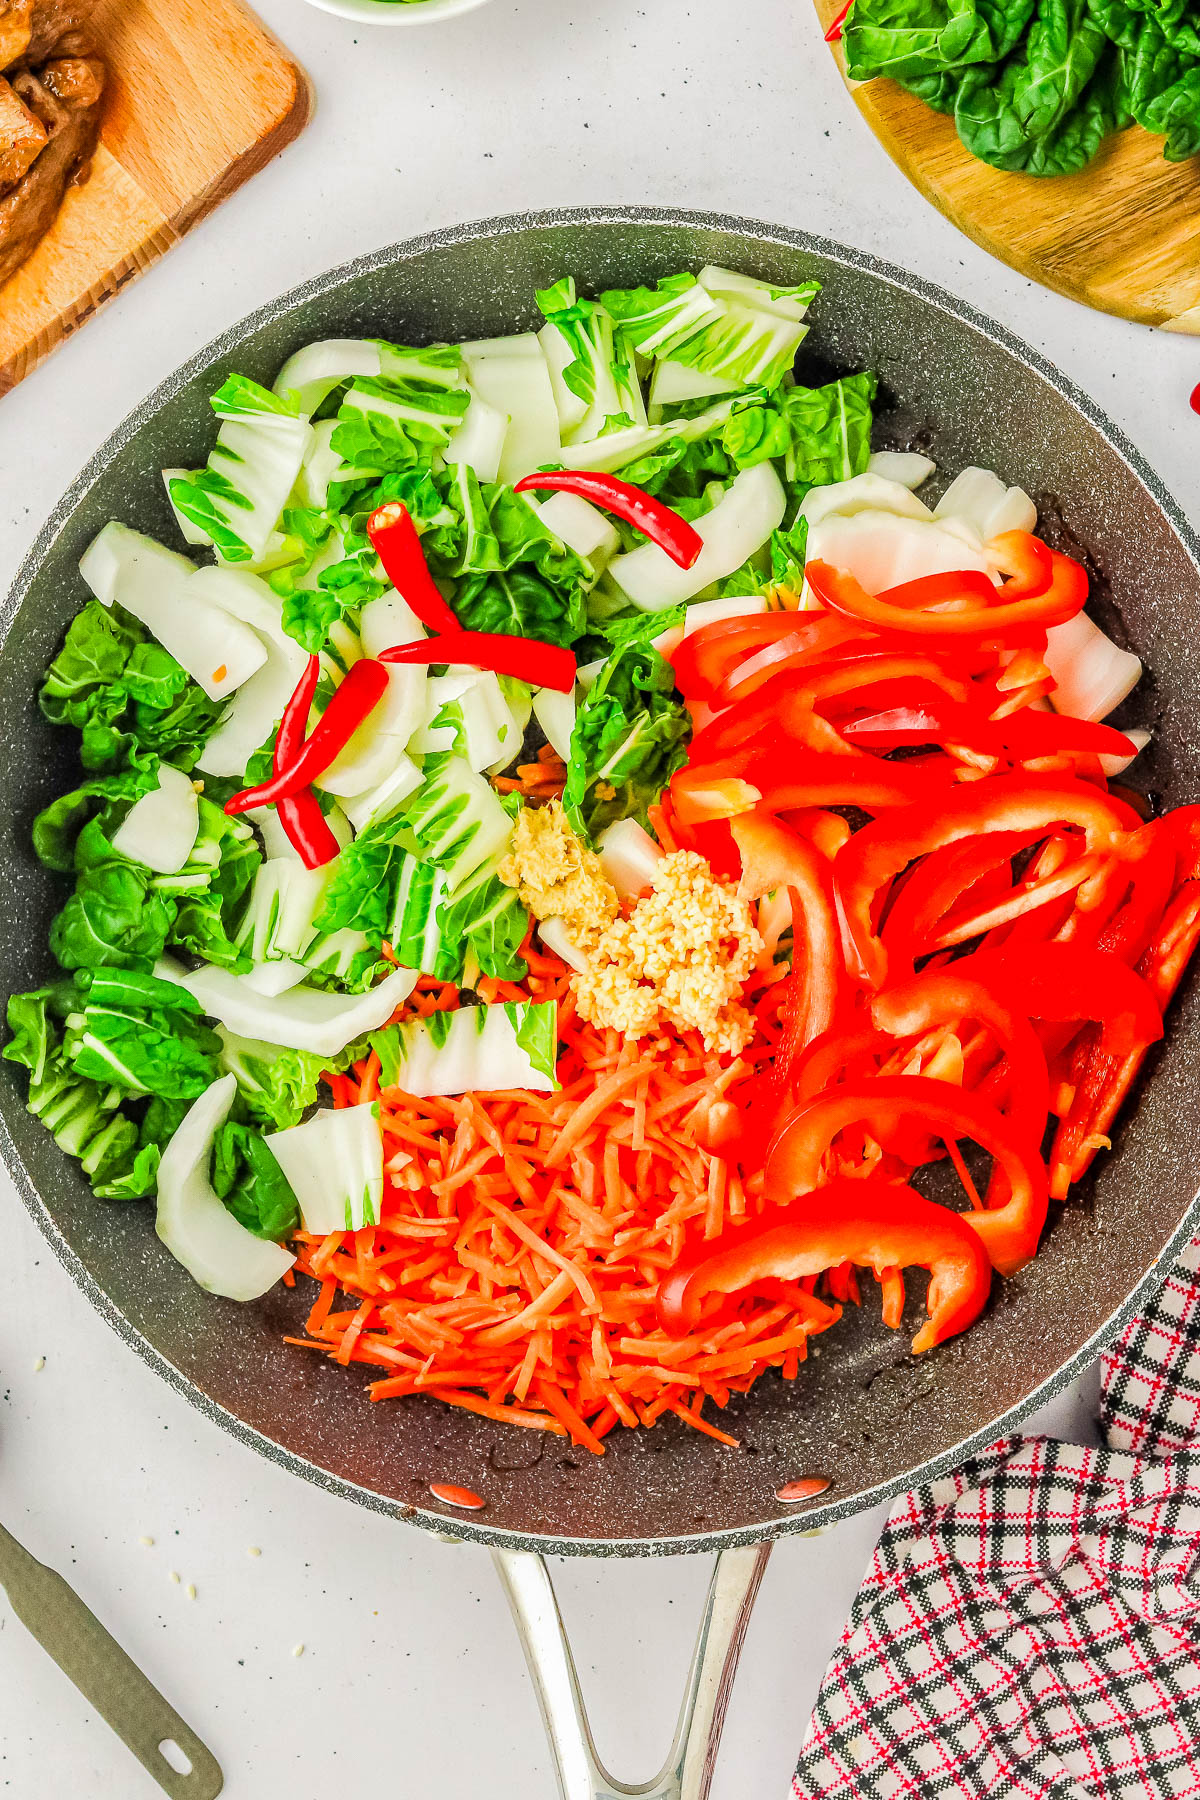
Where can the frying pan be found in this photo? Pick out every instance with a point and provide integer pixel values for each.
(865, 1417)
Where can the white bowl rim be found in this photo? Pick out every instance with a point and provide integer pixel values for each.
(397, 12)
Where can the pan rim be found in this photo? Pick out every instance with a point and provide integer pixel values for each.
(316, 287)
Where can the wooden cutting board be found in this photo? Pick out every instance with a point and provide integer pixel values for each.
(199, 97)
(1123, 235)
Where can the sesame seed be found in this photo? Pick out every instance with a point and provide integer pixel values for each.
(191, 1590)
(173, 1577)
(297, 1649)
(254, 1550)
(39, 1365)
(146, 1542)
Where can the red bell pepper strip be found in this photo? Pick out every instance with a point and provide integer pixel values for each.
(941, 879)
(783, 701)
(1020, 735)
(681, 541)
(1009, 1232)
(874, 1224)
(1102, 1081)
(707, 657)
(774, 857)
(1026, 563)
(833, 35)
(544, 665)
(1024, 559)
(881, 850)
(841, 1054)
(1069, 879)
(942, 590)
(968, 990)
(1130, 928)
(1073, 981)
(358, 694)
(397, 544)
(803, 778)
(999, 619)
(300, 815)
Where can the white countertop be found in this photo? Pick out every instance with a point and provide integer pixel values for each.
(411, 1669)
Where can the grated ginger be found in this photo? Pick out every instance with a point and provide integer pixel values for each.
(681, 957)
(558, 877)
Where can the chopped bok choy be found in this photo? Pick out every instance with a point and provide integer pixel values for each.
(334, 1166)
(741, 522)
(217, 650)
(488, 1048)
(237, 498)
(217, 1252)
(303, 1018)
(161, 828)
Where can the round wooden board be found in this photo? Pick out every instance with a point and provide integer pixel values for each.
(1122, 236)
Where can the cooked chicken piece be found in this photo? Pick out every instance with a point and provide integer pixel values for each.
(22, 136)
(49, 23)
(16, 29)
(64, 95)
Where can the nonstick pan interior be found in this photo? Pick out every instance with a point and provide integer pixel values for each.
(864, 1412)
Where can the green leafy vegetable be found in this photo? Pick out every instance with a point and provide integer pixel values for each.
(132, 1030)
(251, 1183)
(129, 698)
(630, 736)
(512, 1045)
(1038, 85)
(235, 502)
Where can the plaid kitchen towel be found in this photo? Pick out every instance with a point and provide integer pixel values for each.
(1030, 1626)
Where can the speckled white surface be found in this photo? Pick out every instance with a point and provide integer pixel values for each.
(411, 1672)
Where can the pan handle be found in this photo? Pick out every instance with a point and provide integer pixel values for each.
(688, 1770)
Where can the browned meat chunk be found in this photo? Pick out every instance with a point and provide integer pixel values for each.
(16, 30)
(64, 96)
(43, 23)
(22, 136)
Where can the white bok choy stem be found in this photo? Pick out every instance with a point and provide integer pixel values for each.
(1092, 675)
(160, 829)
(153, 583)
(334, 1166)
(303, 1018)
(751, 508)
(217, 1252)
(510, 375)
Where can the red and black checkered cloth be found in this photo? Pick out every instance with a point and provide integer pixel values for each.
(1030, 1626)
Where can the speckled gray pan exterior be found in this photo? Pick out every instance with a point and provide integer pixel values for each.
(864, 1412)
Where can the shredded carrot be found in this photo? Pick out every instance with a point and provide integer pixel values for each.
(522, 1238)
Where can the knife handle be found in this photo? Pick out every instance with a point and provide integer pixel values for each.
(125, 1699)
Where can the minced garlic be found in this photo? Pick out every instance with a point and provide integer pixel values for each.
(681, 957)
(558, 877)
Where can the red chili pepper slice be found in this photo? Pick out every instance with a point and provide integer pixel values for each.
(681, 541)
(999, 619)
(358, 694)
(881, 850)
(1009, 1232)
(300, 814)
(873, 1224)
(397, 543)
(544, 665)
(833, 35)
